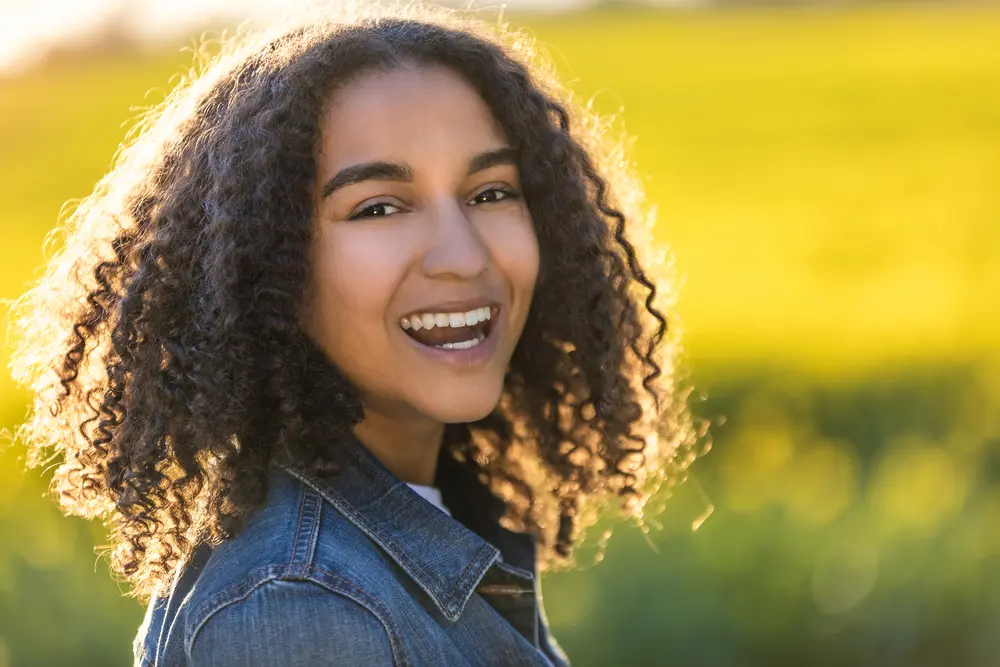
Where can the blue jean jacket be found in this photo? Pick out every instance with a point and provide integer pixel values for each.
(357, 570)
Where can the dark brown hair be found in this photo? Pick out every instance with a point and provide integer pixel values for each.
(163, 345)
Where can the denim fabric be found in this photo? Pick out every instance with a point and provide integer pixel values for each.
(357, 570)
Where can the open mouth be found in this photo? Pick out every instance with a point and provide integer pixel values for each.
(451, 331)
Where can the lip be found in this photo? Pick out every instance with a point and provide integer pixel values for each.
(475, 357)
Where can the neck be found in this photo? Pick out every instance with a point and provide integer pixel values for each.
(407, 447)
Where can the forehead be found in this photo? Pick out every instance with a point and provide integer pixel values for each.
(410, 112)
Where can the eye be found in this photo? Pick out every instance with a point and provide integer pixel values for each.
(377, 210)
(494, 194)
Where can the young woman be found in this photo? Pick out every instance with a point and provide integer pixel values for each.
(351, 344)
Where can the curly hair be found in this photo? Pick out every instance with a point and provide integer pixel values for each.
(163, 346)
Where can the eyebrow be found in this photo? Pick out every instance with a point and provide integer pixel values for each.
(487, 159)
(391, 171)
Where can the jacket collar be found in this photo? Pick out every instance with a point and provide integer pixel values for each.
(446, 556)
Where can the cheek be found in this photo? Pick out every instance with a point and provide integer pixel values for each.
(356, 272)
(514, 248)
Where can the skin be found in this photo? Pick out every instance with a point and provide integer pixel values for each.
(390, 246)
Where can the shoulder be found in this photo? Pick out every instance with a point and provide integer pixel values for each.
(260, 597)
(281, 540)
(289, 623)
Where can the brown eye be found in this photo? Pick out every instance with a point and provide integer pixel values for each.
(491, 195)
(377, 210)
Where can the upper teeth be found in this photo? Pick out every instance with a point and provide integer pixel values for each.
(419, 321)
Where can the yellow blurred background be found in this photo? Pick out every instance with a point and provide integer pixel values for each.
(829, 182)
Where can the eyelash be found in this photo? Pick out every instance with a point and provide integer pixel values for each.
(508, 193)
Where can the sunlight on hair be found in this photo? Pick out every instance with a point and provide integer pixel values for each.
(73, 355)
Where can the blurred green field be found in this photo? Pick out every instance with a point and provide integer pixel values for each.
(828, 180)
(829, 183)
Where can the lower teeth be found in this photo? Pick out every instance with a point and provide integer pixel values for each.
(462, 345)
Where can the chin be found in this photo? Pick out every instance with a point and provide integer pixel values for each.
(462, 405)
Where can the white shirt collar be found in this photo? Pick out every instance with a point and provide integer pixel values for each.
(431, 494)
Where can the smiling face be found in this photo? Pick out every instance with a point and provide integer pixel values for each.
(425, 256)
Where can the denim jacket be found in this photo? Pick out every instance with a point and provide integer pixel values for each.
(357, 570)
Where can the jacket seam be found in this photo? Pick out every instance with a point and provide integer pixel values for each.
(309, 513)
(468, 574)
(317, 524)
(337, 586)
(447, 599)
(341, 586)
(298, 526)
(231, 595)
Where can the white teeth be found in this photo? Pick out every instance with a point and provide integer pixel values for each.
(462, 345)
(431, 320)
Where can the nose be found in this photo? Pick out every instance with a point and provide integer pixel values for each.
(455, 249)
